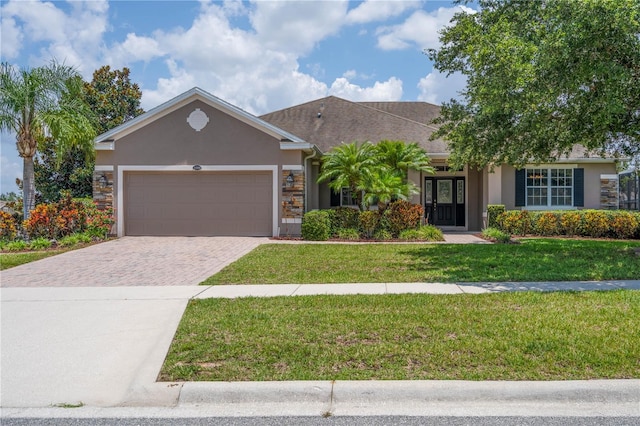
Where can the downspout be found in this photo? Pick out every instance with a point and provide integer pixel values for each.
(306, 178)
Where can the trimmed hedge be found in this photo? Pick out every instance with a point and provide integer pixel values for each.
(349, 223)
(586, 223)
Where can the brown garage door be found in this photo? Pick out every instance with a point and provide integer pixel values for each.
(198, 204)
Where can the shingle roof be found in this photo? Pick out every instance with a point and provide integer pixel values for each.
(329, 121)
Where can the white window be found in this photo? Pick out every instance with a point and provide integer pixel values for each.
(549, 187)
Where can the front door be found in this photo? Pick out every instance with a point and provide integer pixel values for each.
(444, 201)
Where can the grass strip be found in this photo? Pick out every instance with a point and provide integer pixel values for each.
(9, 260)
(532, 260)
(505, 336)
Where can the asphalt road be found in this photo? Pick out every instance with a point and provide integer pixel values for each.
(331, 421)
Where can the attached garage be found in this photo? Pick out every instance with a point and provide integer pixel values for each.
(199, 166)
(198, 203)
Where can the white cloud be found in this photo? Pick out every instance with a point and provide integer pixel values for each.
(11, 38)
(436, 87)
(132, 49)
(74, 38)
(376, 10)
(420, 29)
(296, 26)
(390, 90)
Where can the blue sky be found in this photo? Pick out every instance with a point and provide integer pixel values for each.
(258, 55)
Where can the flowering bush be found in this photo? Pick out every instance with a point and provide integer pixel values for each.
(546, 223)
(624, 225)
(595, 224)
(66, 217)
(515, 222)
(571, 223)
(401, 215)
(7, 226)
(369, 221)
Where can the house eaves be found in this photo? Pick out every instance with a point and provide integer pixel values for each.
(107, 140)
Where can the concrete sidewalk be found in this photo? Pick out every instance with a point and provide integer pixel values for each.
(103, 347)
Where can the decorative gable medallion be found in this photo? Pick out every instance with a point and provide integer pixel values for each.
(197, 120)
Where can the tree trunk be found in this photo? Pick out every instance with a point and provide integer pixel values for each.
(28, 187)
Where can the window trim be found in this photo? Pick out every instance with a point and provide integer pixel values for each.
(549, 187)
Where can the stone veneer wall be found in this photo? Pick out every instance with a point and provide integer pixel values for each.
(609, 192)
(103, 193)
(293, 196)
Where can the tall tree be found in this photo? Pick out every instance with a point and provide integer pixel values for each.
(542, 76)
(43, 101)
(113, 99)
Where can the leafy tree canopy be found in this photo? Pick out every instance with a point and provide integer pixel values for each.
(112, 97)
(542, 76)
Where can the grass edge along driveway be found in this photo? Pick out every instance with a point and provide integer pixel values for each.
(504, 336)
(536, 259)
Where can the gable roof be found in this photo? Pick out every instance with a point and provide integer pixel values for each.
(106, 140)
(329, 121)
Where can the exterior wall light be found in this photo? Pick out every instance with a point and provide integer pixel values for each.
(102, 180)
(290, 180)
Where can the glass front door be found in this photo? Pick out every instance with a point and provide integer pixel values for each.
(444, 201)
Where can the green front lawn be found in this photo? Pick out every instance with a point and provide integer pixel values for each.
(505, 336)
(9, 260)
(532, 260)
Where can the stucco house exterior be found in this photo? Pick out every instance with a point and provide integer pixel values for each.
(199, 166)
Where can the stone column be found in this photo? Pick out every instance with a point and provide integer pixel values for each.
(609, 192)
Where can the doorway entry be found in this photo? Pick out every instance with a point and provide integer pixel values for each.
(444, 200)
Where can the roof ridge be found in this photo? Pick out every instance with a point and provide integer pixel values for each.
(395, 115)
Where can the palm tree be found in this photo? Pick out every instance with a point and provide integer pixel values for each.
(403, 157)
(349, 166)
(39, 102)
(385, 186)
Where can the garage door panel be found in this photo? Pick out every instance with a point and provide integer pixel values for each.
(208, 204)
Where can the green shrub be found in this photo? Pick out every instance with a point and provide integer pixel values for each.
(494, 234)
(401, 215)
(410, 235)
(369, 222)
(316, 225)
(74, 239)
(99, 222)
(344, 218)
(39, 244)
(595, 223)
(430, 233)
(624, 224)
(515, 222)
(493, 214)
(17, 245)
(382, 235)
(546, 223)
(348, 234)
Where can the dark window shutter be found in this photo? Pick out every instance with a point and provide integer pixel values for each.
(335, 198)
(521, 187)
(578, 187)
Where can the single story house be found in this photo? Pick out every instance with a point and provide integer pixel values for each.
(199, 166)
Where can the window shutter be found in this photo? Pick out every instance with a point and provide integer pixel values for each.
(335, 198)
(578, 187)
(521, 187)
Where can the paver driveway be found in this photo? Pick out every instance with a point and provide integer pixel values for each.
(134, 261)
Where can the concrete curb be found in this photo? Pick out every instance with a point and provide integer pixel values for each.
(415, 398)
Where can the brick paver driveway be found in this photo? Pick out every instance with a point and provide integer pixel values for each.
(133, 261)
